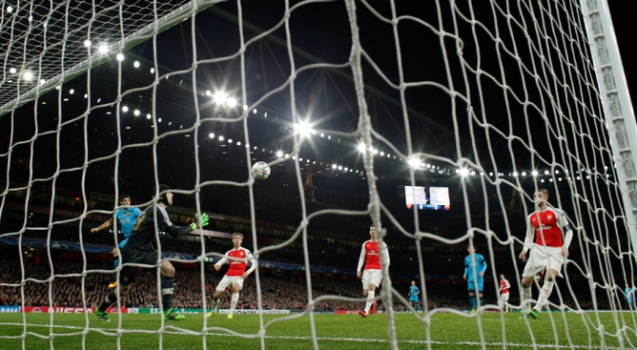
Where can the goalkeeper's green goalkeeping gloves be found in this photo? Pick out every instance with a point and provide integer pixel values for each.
(199, 222)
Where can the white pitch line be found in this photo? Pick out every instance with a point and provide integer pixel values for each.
(359, 340)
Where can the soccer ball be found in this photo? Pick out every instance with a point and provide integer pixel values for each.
(260, 170)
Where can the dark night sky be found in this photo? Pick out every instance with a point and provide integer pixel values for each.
(320, 31)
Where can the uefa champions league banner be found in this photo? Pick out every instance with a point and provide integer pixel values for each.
(89, 248)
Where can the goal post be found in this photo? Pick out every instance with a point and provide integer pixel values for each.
(618, 108)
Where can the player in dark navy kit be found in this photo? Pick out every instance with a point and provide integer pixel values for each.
(139, 250)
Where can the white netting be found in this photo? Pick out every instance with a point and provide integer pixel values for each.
(348, 102)
(45, 43)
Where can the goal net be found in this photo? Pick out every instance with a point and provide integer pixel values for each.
(438, 123)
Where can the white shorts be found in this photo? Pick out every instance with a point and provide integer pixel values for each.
(372, 276)
(542, 259)
(229, 281)
(505, 297)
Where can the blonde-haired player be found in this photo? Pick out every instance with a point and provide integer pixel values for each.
(238, 259)
(372, 274)
(553, 235)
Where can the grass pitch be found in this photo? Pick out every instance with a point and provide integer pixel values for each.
(446, 331)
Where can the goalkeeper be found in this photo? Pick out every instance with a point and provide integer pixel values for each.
(140, 250)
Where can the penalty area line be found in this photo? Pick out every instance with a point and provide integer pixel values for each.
(343, 339)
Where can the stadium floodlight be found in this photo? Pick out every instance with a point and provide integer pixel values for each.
(279, 154)
(463, 172)
(230, 141)
(361, 146)
(515, 174)
(148, 116)
(12, 70)
(534, 173)
(152, 71)
(136, 64)
(87, 43)
(120, 57)
(208, 93)
(334, 166)
(125, 109)
(220, 138)
(10, 9)
(219, 97)
(102, 49)
(303, 128)
(413, 162)
(524, 173)
(27, 75)
(546, 172)
(231, 102)
(136, 112)
(211, 135)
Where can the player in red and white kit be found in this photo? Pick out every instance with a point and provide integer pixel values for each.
(238, 259)
(553, 235)
(372, 274)
(504, 292)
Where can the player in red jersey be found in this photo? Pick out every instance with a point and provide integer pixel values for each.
(238, 259)
(504, 293)
(553, 235)
(372, 274)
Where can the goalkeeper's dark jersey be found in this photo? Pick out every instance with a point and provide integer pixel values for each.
(143, 235)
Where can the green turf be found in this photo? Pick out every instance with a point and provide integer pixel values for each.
(447, 331)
